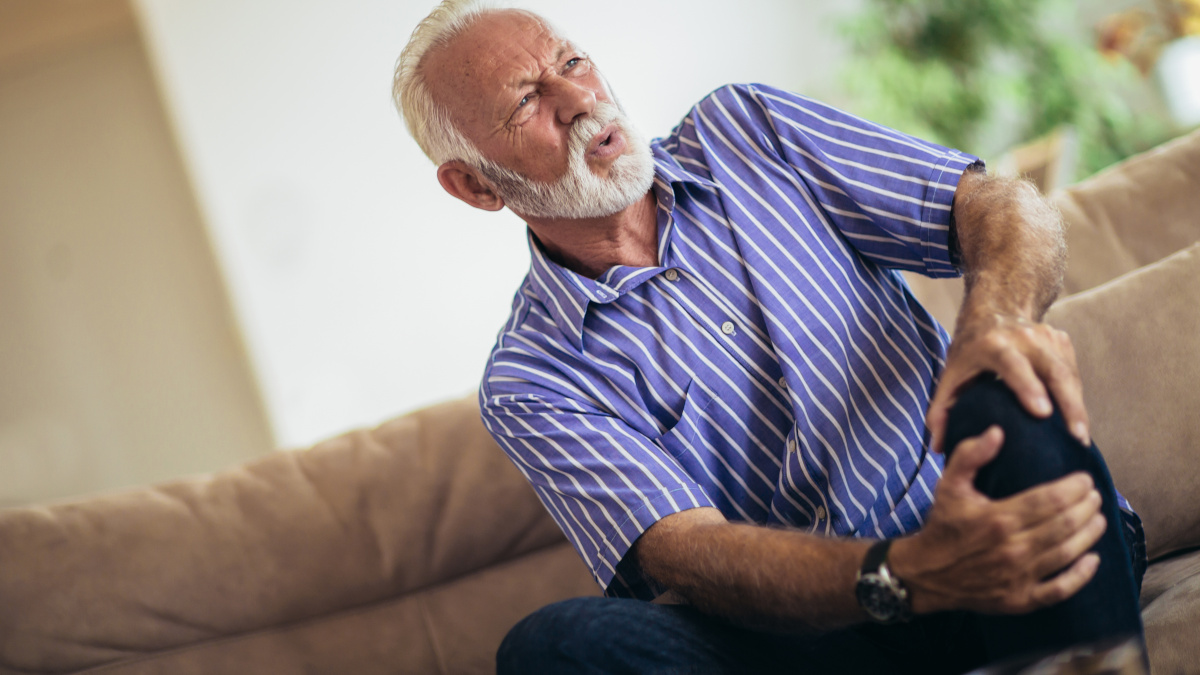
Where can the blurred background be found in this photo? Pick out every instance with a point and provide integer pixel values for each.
(216, 238)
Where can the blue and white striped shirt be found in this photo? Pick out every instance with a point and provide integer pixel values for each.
(774, 365)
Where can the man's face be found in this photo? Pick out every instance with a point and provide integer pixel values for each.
(557, 144)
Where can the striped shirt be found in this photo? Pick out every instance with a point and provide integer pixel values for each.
(774, 365)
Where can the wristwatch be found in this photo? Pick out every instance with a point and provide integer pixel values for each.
(881, 595)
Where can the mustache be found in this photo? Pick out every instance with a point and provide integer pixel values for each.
(585, 129)
(579, 136)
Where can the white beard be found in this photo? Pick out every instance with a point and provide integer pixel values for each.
(580, 193)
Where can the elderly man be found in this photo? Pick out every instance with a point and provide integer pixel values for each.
(722, 390)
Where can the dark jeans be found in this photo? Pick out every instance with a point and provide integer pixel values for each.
(608, 635)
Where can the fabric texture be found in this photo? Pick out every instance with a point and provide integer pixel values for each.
(265, 547)
(452, 628)
(773, 365)
(1132, 214)
(622, 636)
(1171, 612)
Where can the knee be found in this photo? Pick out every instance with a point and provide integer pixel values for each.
(1035, 450)
(550, 639)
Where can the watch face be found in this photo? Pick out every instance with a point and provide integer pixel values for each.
(879, 598)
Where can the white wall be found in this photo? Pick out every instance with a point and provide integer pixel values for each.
(362, 288)
(120, 362)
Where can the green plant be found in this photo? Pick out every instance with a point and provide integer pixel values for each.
(983, 75)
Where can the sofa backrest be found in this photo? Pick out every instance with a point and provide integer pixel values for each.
(1129, 215)
(370, 515)
(1132, 214)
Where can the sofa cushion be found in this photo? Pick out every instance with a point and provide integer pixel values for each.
(1171, 612)
(1137, 340)
(370, 515)
(450, 629)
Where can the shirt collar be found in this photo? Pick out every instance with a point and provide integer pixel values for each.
(672, 171)
(567, 294)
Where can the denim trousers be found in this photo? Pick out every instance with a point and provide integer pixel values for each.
(616, 635)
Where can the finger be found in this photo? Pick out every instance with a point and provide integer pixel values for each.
(1069, 395)
(1062, 377)
(1018, 373)
(935, 421)
(1067, 583)
(1042, 502)
(1060, 527)
(939, 407)
(1068, 551)
(970, 456)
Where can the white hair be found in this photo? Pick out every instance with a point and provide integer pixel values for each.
(576, 194)
(428, 122)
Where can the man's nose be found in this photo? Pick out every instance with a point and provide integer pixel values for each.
(574, 101)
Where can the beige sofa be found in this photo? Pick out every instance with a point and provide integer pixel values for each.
(413, 547)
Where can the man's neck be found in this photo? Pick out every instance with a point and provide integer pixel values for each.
(590, 246)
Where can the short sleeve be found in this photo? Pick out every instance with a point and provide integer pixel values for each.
(603, 482)
(888, 193)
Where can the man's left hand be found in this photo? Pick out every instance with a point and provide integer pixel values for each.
(1036, 361)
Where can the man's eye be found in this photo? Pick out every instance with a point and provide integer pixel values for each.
(573, 61)
(523, 101)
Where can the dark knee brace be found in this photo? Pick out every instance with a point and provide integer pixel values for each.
(1035, 451)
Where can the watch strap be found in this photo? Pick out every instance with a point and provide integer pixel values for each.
(876, 555)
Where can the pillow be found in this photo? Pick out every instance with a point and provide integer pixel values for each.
(1132, 213)
(1137, 340)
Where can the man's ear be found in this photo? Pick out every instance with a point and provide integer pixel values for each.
(463, 181)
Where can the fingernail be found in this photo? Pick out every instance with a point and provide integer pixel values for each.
(1081, 432)
(1042, 405)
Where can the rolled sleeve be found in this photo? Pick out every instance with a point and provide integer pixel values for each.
(603, 482)
(888, 193)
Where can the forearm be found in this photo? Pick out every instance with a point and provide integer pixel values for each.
(1013, 258)
(1012, 247)
(763, 578)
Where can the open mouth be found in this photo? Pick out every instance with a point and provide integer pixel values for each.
(608, 143)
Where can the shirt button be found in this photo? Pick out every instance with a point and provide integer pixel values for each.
(821, 513)
(783, 382)
(727, 328)
(672, 274)
(791, 445)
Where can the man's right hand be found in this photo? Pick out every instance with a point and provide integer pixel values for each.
(1006, 556)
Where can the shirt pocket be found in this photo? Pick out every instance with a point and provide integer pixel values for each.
(698, 443)
(680, 440)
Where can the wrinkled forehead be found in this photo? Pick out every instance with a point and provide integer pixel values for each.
(498, 52)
